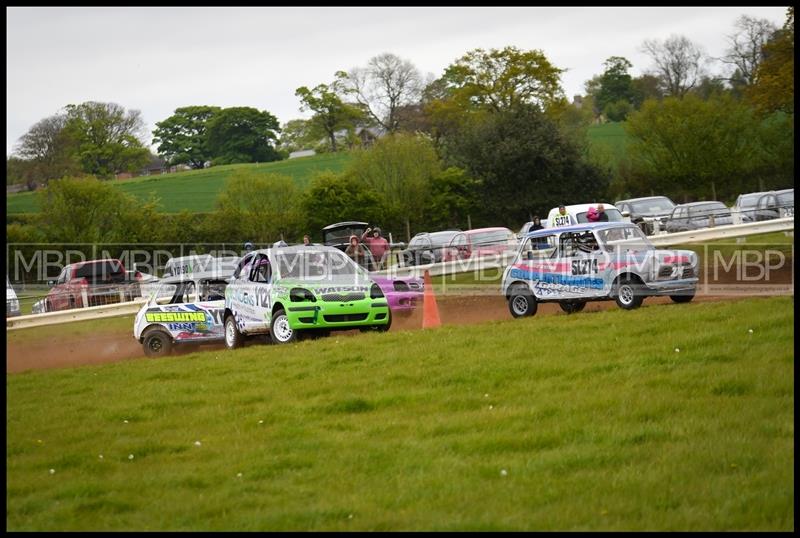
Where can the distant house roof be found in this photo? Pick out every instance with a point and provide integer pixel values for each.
(302, 153)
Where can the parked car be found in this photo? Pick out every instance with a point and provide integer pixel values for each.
(489, 241)
(745, 206)
(698, 215)
(646, 212)
(578, 213)
(338, 235)
(571, 265)
(92, 283)
(12, 302)
(185, 308)
(288, 290)
(435, 247)
(786, 202)
(760, 206)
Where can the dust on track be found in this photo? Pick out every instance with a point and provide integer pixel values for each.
(62, 352)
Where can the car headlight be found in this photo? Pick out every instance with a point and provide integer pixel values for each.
(301, 295)
(399, 285)
(375, 292)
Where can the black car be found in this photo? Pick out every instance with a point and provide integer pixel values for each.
(644, 212)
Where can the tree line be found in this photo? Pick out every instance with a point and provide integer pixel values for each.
(497, 118)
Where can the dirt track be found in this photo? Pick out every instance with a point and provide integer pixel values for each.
(118, 346)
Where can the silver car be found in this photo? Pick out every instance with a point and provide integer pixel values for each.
(698, 215)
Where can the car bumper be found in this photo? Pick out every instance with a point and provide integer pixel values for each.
(404, 300)
(673, 287)
(333, 315)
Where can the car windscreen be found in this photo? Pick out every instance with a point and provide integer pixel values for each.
(654, 205)
(613, 216)
(99, 270)
(749, 200)
(629, 237)
(316, 264)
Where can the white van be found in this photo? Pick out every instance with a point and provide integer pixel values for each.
(578, 214)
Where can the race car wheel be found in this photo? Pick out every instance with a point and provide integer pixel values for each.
(280, 331)
(682, 298)
(571, 307)
(157, 343)
(521, 302)
(233, 338)
(628, 294)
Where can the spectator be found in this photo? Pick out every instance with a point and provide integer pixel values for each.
(561, 218)
(306, 240)
(376, 244)
(592, 215)
(601, 213)
(355, 251)
(248, 247)
(537, 225)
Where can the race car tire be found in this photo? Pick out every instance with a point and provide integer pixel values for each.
(572, 307)
(521, 301)
(233, 338)
(628, 294)
(682, 298)
(156, 343)
(280, 331)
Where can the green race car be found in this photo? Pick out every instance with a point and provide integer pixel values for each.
(288, 290)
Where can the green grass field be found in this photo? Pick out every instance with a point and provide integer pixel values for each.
(197, 190)
(609, 139)
(591, 421)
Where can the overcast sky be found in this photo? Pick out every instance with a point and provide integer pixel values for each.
(158, 59)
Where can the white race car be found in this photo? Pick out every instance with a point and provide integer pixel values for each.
(185, 308)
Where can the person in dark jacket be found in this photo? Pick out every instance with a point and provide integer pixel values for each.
(601, 213)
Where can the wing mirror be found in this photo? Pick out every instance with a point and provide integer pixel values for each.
(625, 214)
(51, 283)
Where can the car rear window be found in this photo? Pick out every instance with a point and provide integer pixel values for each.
(613, 216)
(99, 269)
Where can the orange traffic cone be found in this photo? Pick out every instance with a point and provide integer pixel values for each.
(430, 312)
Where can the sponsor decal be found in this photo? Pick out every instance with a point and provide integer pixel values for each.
(165, 317)
(556, 278)
(334, 289)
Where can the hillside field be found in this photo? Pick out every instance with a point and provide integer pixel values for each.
(669, 417)
(197, 190)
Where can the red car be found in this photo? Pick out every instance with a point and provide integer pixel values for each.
(92, 283)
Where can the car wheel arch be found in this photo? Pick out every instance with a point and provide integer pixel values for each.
(514, 284)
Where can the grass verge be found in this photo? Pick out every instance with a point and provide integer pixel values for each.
(592, 421)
